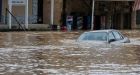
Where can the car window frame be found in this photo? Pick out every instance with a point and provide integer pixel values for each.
(112, 34)
(121, 37)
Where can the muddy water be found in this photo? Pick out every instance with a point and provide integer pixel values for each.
(57, 53)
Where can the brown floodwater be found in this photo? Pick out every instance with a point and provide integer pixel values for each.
(58, 53)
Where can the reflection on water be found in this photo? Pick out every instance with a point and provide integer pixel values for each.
(57, 53)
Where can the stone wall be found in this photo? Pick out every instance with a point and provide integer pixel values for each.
(58, 11)
(46, 11)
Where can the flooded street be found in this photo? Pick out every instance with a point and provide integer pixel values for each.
(58, 53)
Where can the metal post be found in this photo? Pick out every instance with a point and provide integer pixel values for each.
(52, 12)
(92, 20)
(0, 9)
(26, 15)
(10, 17)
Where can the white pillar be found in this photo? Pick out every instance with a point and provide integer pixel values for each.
(52, 12)
(10, 17)
(26, 15)
(92, 20)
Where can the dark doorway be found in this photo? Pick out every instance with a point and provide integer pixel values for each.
(116, 21)
(40, 12)
(127, 21)
(0, 9)
(97, 22)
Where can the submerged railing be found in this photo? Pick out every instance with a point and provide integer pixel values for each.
(19, 24)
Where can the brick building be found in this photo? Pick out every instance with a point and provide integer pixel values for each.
(117, 14)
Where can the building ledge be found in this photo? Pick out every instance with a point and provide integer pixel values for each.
(31, 27)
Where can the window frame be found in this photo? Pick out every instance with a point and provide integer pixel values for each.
(120, 35)
(112, 34)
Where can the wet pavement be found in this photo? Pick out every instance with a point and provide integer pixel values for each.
(58, 53)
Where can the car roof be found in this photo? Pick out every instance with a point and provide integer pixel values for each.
(109, 30)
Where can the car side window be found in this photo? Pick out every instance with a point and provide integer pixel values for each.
(111, 36)
(117, 35)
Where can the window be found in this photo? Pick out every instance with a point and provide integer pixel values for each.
(94, 36)
(117, 35)
(111, 36)
(138, 17)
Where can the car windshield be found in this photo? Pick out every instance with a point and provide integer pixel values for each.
(93, 36)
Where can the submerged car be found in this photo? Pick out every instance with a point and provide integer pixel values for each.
(107, 36)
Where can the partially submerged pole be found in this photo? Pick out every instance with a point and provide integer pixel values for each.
(10, 17)
(26, 14)
(52, 12)
(92, 20)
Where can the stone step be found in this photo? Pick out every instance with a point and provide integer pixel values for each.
(31, 27)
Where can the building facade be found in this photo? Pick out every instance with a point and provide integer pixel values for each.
(108, 14)
(19, 11)
(116, 14)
